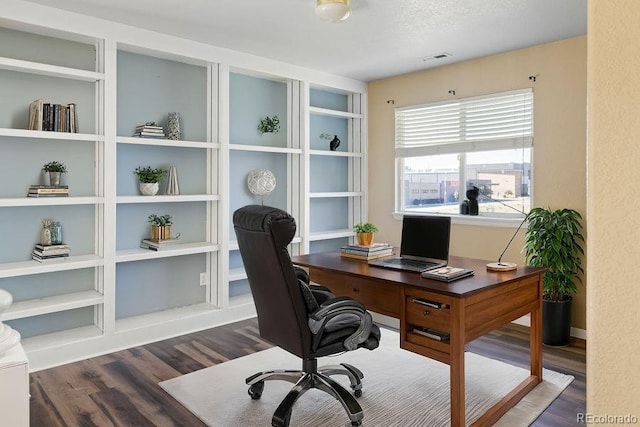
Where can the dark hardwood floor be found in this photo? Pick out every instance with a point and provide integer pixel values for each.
(121, 389)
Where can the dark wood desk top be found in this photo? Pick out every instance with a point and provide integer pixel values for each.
(481, 280)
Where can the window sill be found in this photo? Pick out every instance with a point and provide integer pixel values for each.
(479, 220)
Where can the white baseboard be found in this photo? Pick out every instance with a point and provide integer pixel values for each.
(524, 321)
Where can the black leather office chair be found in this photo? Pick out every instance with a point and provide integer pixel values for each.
(305, 320)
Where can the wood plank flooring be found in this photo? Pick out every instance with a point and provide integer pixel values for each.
(121, 389)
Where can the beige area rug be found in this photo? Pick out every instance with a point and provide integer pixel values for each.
(399, 389)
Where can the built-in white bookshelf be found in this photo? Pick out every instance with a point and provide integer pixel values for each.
(110, 293)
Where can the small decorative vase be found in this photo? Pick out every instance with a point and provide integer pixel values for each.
(54, 178)
(365, 239)
(56, 233)
(160, 232)
(334, 143)
(173, 126)
(149, 188)
(45, 233)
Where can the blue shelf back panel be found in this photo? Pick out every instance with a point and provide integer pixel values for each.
(235, 260)
(242, 162)
(28, 156)
(154, 285)
(329, 174)
(190, 163)
(23, 226)
(20, 89)
(35, 286)
(47, 50)
(53, 322)
(329, 214)
(334, 126)
(331, 245)
(150, 88)
(330, 100)
(239, 288)
(189, 219)
(251, 100)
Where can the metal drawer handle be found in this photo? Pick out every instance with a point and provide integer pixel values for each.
(356, 289)
(427, 312)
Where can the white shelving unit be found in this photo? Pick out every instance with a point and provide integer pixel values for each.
(67, 291)
(110, 293)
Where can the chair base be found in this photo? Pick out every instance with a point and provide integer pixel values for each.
(312, 377)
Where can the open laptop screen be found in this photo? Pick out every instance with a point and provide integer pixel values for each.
(425, 237)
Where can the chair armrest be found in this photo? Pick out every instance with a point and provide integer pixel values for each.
(339, 306)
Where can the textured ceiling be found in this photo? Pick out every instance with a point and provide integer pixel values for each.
(382, 38)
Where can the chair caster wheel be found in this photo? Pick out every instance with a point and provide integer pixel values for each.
(356, 423)
(255, 390)
(357, 393)
(277, 422)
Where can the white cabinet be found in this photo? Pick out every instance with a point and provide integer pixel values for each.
(14, 388)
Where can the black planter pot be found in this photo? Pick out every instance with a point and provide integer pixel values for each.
(556, 322)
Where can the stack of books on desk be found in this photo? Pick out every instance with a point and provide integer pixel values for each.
(42, 253)
(48, 191)
(149, 131)
(375, 250)
(155, 245)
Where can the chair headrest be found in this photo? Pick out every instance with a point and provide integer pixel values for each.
(261, 218)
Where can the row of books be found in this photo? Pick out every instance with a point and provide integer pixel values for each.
(149, 131)
(48, 191)
(158, 245)
(53, 117)
(42, 253)
(373, 251)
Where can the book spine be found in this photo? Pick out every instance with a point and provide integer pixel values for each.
(365, 253)
(363, 257)
(44, 254)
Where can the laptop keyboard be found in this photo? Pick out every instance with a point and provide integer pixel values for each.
(410, 263)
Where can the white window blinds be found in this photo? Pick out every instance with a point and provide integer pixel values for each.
(483, 123)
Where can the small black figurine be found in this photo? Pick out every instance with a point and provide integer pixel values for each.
(472, 195)
(335, 143)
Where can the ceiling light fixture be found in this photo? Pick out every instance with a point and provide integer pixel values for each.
(333, 10)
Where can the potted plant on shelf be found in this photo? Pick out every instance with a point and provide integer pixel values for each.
(364, 233)
(554, 240)
(160, 227)
(149, 179)
(269, 125)
(55, 169)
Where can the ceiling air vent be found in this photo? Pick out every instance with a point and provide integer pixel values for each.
(441, 55)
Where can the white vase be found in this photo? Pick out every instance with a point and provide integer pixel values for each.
(149, 189)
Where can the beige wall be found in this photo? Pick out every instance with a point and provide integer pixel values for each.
(559, 162)
(613, 359)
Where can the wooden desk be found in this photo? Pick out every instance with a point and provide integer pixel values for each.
(474, 306)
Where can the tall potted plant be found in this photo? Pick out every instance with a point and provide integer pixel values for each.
(554, 240)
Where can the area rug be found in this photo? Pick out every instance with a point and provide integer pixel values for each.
(399, 389)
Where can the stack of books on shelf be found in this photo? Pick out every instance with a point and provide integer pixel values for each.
(158, 245)
(42, 253)
(53, 117)
(48, 191)
(375, 250)
(149, 131)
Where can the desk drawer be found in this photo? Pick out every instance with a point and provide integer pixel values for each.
(379, 297)
(419, 313)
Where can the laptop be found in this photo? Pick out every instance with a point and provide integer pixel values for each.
(424, 245)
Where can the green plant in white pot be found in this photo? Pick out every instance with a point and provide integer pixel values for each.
(554, 240)
(149, 179)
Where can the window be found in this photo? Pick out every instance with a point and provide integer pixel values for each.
(482, 141)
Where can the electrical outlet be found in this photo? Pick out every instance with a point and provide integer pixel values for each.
(204, 279)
